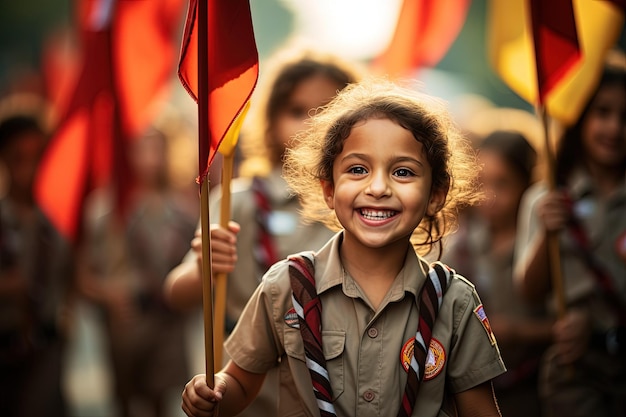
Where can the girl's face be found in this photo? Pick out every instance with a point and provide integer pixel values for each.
(504, 188)
(312, 92)
(22, 157)
(148, 159)
(604, 128)
(381, 185)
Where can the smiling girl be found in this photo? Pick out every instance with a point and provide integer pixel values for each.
(364, 326)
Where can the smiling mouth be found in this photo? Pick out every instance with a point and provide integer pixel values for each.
(377, 214)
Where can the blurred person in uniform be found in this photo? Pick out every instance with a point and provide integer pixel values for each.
(266, 224)
(124, 261)
(483, 247)
(36, 274)
(584, 371)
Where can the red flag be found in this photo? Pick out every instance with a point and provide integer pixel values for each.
(543, 57)
(556, 42)
(233, 68)
(127, 57)
(424, 33)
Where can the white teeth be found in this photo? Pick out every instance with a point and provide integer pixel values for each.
(377, 214)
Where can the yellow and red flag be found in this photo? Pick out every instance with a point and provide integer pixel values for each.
(232, 73)
(128, 56)
(425, 31)
(552, 52)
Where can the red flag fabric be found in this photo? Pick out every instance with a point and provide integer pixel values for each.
(128, 55)
(423, 34)
(233, 68)
(555, 38)
(532, 48)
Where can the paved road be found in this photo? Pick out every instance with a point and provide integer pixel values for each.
(87, 377)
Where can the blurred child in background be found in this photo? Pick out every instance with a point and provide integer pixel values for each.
(123, 265)
(584, 373)
(36, 274)
(483, 248)
(266, 223)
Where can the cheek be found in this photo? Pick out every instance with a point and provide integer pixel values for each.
(588, 131)
(502, 203)
(286, 128)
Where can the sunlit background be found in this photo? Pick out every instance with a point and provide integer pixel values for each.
(357, 29)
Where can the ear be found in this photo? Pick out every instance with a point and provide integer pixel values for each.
(436, 201)
(328, 189)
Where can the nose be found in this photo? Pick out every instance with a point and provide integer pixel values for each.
(378, 185)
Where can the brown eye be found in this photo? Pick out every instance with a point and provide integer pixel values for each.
(358, 170)
(403, 172)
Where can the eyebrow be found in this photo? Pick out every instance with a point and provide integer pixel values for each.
(365, 157)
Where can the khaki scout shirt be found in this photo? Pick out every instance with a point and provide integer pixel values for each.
(363, 347)
(604, 222)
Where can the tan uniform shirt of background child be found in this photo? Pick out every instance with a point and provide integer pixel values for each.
(365, 349)
(605, 225)
(289, 235)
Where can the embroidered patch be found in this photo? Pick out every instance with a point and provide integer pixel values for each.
(435, 359)
(482, 316)
(620, 246)
(291, 319)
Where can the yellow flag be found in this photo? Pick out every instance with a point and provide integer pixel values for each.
(227, 147)
(512, 52)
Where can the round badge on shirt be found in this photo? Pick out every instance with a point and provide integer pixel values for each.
(435, 358)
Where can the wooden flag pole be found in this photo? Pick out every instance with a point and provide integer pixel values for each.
(220, 279)
(554, 252)
(207, 284)
(203, 137)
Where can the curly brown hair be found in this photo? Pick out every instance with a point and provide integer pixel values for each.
(451, 156)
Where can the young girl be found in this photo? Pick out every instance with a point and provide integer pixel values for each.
(483, 249)
(122, 265)
(585, 369)
(383, 156)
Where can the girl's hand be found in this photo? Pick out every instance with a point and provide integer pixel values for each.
(571, 336)
(201, 401)
(554, 211)
(224, 247)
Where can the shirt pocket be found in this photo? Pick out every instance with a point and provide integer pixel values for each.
(334, 342)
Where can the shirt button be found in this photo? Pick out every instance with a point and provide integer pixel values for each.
(369, 395)
(372, 332)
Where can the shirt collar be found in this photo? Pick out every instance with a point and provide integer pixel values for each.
(329, 272)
